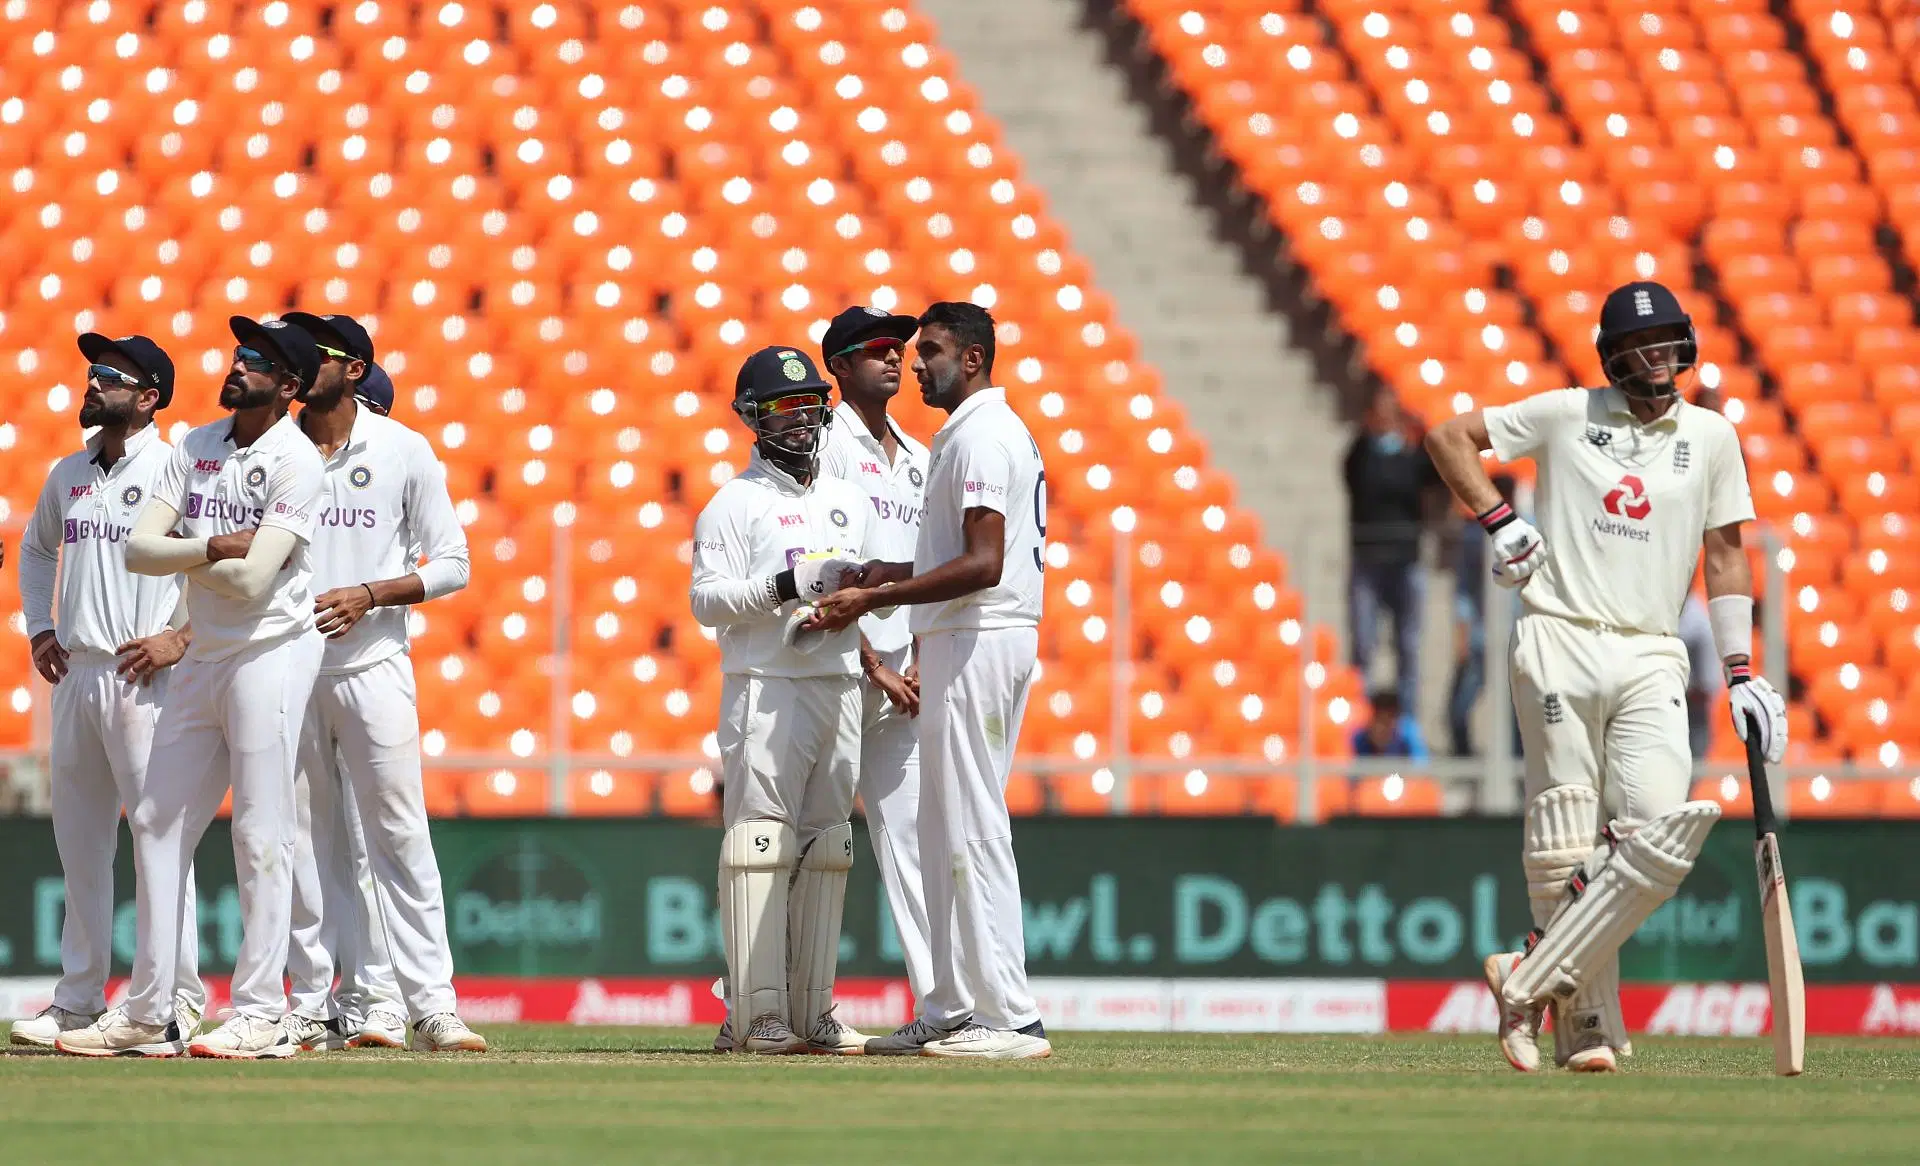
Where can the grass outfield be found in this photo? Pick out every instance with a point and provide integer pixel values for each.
(566, 1095)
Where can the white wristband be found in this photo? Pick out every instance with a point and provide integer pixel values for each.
(1731, 617)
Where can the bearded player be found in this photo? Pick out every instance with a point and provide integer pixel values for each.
(773, 539)
(1634, 485)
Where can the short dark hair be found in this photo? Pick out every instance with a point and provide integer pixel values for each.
(970, 324)
(1385, 701)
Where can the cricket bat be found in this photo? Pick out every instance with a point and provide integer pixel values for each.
(1784, 979)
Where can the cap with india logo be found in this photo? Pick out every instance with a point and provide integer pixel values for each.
(863, 323)
(776, 371)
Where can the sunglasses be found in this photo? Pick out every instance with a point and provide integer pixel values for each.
(107, 375)
(794, 405)
(879, 346)
(333, 353)
(254, 359)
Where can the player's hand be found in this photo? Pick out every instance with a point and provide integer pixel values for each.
(49, 658)
(140, 659)
(1518, 551)
(815, 579)
(338, 610)
(229, 546)
(841, 609)
(1753, 696)
(905, 696)
(912, 677)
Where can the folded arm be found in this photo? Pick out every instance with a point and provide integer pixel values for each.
(151, 550)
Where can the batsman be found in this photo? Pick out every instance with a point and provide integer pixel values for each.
(1634, 485)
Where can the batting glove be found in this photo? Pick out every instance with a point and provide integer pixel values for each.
(818, 578)
(1751, 695)
(1518, 549)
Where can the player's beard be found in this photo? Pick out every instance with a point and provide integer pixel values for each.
(97, 412)
(940, 386)
(236, 395)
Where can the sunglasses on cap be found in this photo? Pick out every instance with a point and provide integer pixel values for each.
(109, 376)
(254, 359)
(333, 353)
(878, 346)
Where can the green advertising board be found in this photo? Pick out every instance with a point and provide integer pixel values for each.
(1238, 897)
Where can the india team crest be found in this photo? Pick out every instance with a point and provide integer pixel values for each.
(916, 477)
(130, 497)
(795, 370)
(256, 477)
(360, 477)
(838, 517)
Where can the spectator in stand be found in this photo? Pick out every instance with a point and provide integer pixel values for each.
(1389, 478)
(1389, 732)
(1471, 570)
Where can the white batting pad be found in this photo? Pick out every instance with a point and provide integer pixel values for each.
(813, 925)
(1643, 873)
(756, 864)
(1561, 827)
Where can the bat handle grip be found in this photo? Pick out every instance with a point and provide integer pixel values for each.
(1764, 821)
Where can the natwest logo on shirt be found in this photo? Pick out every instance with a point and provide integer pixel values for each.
(1629, 499)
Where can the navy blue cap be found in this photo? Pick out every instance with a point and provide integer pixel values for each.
(289, 342)
(338, 330)
(1640, 305)
(145, 355)
(778, 371)
(376, 389)
(863, 323)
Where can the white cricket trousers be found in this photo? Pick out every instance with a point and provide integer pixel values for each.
(973, 689)
(227, 723)
(360, 769)
(102, 736)
(890, 788)
(1605, 709)
(789, 750)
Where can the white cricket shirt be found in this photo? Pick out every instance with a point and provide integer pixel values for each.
(384, 494)
(218, 489)
(81, 522)
(758, 525)
(1623, 506)
(896, 488)
(985, 456)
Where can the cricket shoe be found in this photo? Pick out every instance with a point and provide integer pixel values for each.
(321, 1036)
(246, 1038)
(188, 1013)
(41, 1031)
(384, 1028)
(834, 1039)
(723, 1040)
(770, 1036)
(910, 1038)
(443, 1032)
(116, 1034)
(1598, 1059)
(1519, 1032)
(980, 1043)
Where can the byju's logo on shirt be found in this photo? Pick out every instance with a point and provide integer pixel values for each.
(223, 510)
(93, 530)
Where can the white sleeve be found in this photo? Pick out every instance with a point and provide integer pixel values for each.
(292, 503)
(724, 589)
(252, 577)
(152, 549)
(985, 477)
(40, 559)
(434, 527)
(1729, 497)
(1518, 430)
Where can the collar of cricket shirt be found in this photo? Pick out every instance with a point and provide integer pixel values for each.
(974, 404)
(845, 414)
(782, 481)
(1617, 404)
(136, 443)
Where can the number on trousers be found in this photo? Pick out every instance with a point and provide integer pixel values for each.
(1040, 517)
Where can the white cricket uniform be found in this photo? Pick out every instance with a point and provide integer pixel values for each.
(232, 717)
(367, 895)
(789, 730)
(1599, 671)
(102, 723)
(889, 739)
(977, 657)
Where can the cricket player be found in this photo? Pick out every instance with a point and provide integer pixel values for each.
(975, 586)
(385, 492)
(244, 493)
(864, 349)
(108, 661)
(770, 542)
(1634, 483)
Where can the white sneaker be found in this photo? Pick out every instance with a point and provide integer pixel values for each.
(384, 1028)
(443, 1032)
(978, 1042)
(831, 1038)
(1519, 1031)
(771, 1036)
(187, 1013)
(41, 1031)
(909, 1039)
(723, 1040)
(1598, 1059)
(323, 1036)
(246, 1038)
(117, 1035)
